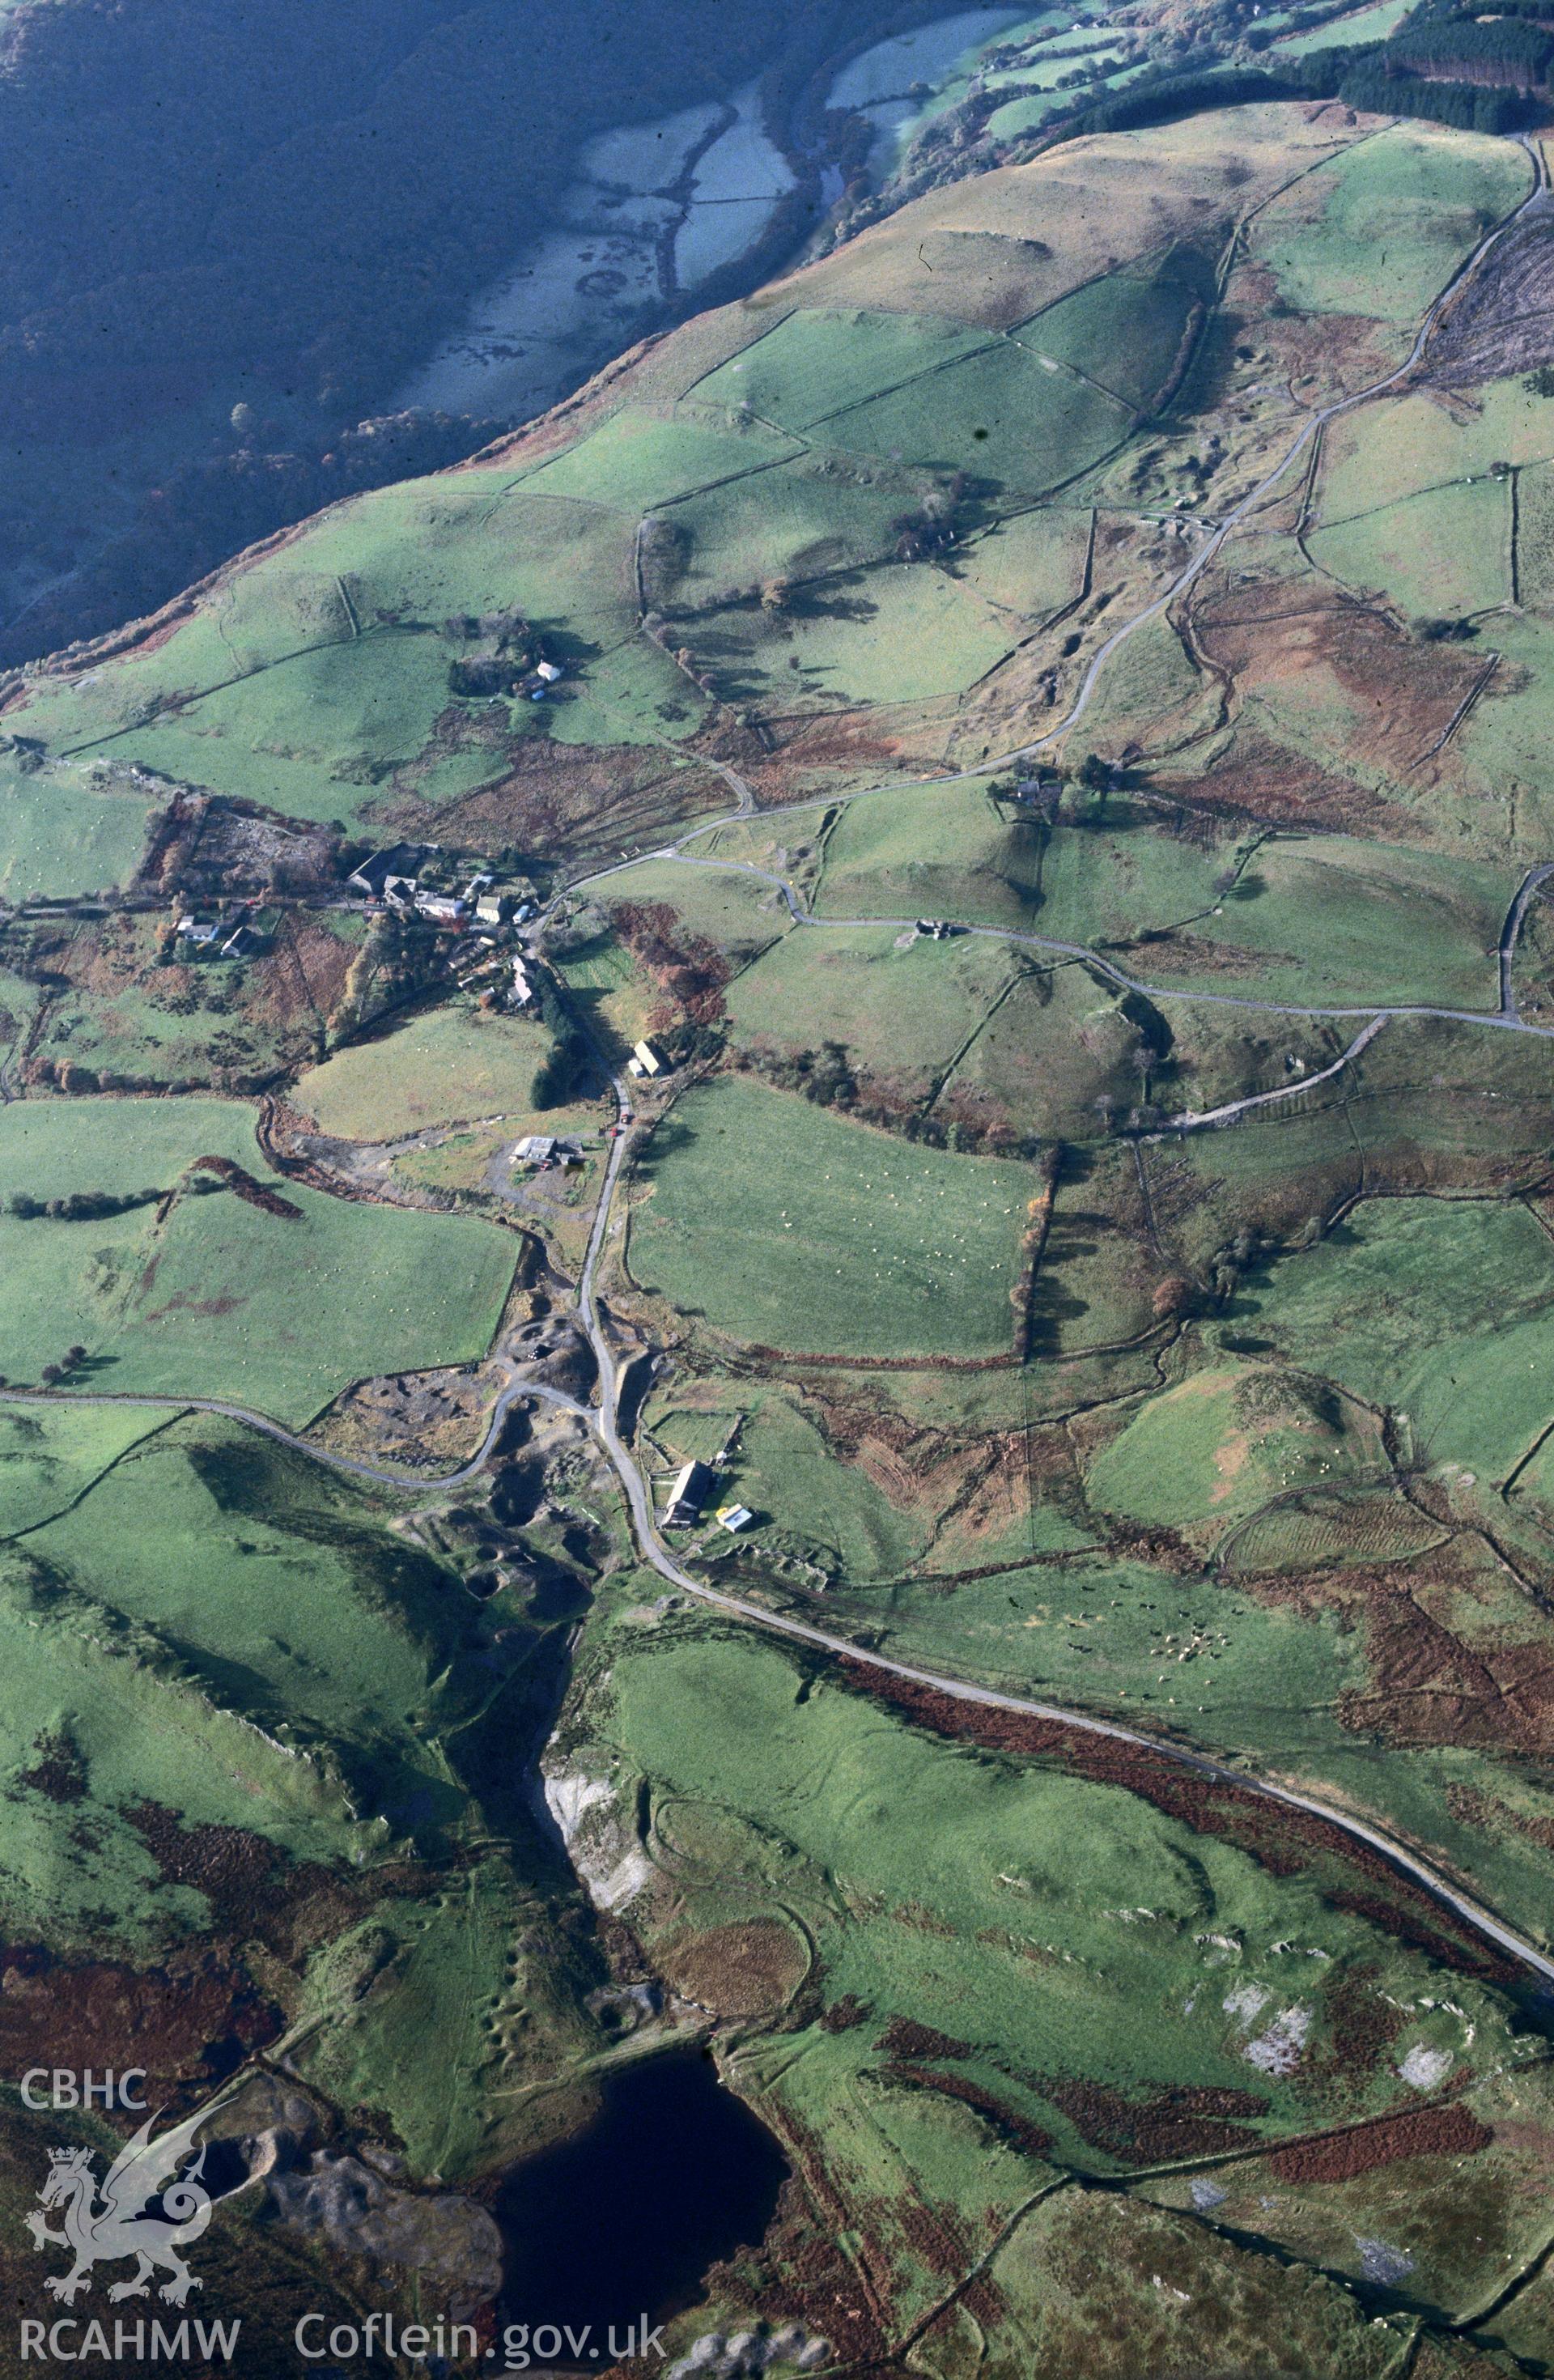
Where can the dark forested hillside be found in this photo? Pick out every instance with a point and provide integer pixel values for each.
(206, 203)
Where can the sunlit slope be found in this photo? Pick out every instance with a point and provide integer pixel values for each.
(809, 531)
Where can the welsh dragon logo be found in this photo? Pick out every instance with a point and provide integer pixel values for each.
(99, 2229)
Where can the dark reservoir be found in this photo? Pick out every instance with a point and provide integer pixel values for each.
(625, 2218)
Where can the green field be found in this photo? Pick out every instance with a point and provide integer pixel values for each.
(446, 1066)
(935, 851)
(774, 1222)
(1034, 562)
(1372, 24)
(1023, 114)
(66, 829)
(318, 676)
(1408, 445)
(1442, 1311)
(738, 912)
(1222, 1442)
(1311, 918)
(635, 462)
(1380, 230)
(1123, 331)
(1001, 414)
(813, 364)
(822, 1511)
(223, 1631)
(1446, 553)
(1534, 537)
(1060, 1042)
(803, 521)
(1150, 683)
(313, 1626)
(223, 1299)
(475, 1968)
(858, 986)
(227, 1640)
(897, 634)
(51, 1454)
(1010, 1907)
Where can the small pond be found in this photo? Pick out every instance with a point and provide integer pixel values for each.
(626, 2217)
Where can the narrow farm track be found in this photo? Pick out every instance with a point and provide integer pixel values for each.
(1525, 892)
(380, 1475)
(601, 1419)
(1210, 1119)
(1378, 1012)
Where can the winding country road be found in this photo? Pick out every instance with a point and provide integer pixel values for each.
(601, 1419)
(1378, 1011)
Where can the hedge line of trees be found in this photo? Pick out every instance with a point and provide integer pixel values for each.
(1158, 101)
(79, 1206)
(1358, 75)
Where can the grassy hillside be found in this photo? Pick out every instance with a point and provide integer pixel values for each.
(219, 1295)
(776, 1222)
(715, 544)
(1136, 1302)
(445, 1067)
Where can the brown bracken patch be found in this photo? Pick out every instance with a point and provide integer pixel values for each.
(741, 1970)
(1398, 695)
(572, 799)
(1186, 2122)
(58, 1772)
(1006, 2121)
(904, 2037)
(937, 2246)
(812, 2278)
(690, 971)
(188, 2020)
(1428, 1686)
(1419, 2131)
(1474, 1808)
(845, 2013)
(252, 1886)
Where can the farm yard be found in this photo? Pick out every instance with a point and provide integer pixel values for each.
(122, 1009)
